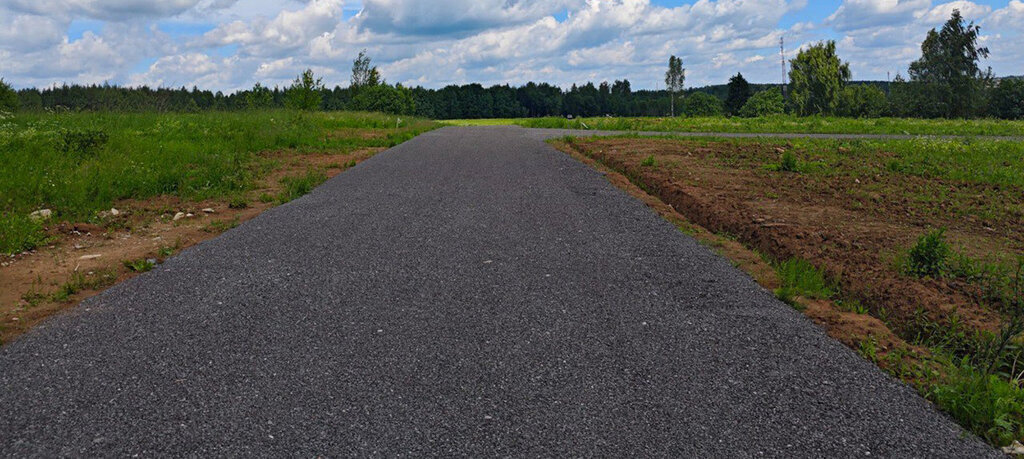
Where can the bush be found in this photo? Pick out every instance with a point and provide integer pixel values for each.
(395, 100)
(929, 257)
(8, 97)
(788, 163)
(863, 101)
(765, 103)
(702, 104)
(81, 143)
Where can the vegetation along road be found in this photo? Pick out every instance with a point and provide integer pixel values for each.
(472, 290)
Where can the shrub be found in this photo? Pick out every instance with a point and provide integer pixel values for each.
(702, 104)
(81, 143)
(788, 163)
(649, 162)
(928, 258)
(863, 101)
(395, 100)
(765, 103)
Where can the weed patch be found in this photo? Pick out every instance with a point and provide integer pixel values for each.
(929, 257)
(19, 233)
(300, 185)
(800, 278)
(140, 266)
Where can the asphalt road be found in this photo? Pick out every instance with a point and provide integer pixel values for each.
(471, 292)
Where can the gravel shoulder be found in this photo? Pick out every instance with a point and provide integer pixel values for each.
(473, 292)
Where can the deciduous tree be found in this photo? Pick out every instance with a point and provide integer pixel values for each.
(675, 77)
(305, 92)
(817, 77)
(948, 68)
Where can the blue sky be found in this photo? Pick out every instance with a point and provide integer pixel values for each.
(231, 44)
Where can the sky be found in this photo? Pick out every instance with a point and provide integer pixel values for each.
(231, 44)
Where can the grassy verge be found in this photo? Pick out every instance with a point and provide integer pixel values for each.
(79, 164)
(772, 124)
(852, 225)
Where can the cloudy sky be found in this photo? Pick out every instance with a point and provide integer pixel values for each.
(230, 44)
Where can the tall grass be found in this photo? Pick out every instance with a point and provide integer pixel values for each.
(79, 163)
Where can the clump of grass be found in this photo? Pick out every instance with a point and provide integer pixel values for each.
(300, 185)
(19, 233)
(266, 197)
(801, 279)
(649, 161)
(140, 266)
(868, 349)
(79, 282)
(221, 226)
(788, 163)
(990, 406)
(929, 256)
(238, 202)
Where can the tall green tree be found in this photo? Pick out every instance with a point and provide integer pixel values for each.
(675, 77)
(739, 93)
(8, 98)
(305, 92)
(949, 69)
(817, 77)
(364, 73)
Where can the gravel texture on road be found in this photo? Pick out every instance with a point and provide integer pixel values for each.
(471, 292)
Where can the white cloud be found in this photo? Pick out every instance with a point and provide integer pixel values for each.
(233, 43)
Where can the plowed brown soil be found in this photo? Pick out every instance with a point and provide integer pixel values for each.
(851, 227)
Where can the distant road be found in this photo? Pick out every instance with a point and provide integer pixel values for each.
(472, 292)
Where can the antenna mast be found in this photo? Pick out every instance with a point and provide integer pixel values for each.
(782, 52)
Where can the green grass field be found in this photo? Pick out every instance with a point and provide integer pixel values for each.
(772, 124)
(77, 164)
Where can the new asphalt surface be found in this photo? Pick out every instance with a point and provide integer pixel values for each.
(472, 292)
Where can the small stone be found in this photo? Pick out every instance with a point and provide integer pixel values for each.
(208, 210)
(41, 215)
(179, 216)
(89, 257)
(1015, 449)
(190, 215)
(151, 261)
(114, 212)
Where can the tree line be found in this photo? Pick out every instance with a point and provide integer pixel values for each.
(946, 81)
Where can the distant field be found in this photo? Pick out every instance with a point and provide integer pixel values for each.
(78, 164)
(774, 124)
